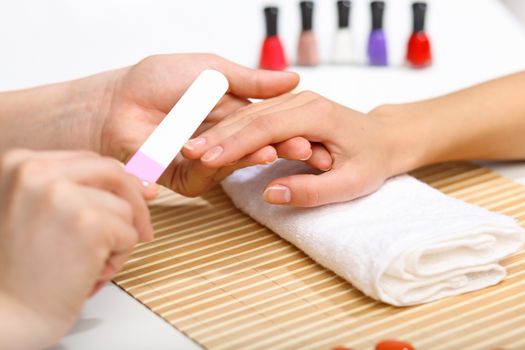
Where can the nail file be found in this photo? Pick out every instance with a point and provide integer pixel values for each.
(168, 138)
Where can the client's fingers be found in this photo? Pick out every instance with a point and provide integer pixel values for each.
(196, 147)
(265, 155)
(297, 148)
(192, 178)
(259, 107)
(320, 159)
(307, 190)
(226, 106)
(272, 128)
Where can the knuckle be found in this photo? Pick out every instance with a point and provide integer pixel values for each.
(264, 124)
(150, 60)
(126, 211)
(84, 219)
(325, 112)
(26, 172)
(12, 156)
(308, 95)
(113, 166)
(89, 226)
(55, 193)
(132, 238)
(324, 105)
(211, 57)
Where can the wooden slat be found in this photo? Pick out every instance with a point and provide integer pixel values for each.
(229, 283)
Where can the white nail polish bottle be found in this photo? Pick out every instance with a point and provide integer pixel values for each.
(342, 51)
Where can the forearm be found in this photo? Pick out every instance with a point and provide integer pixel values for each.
(486, 121)
(57, 116)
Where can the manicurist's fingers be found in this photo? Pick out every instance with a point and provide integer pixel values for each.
(255, 83)
(108, 174)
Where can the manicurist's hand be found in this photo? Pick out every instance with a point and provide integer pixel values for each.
(143, 94)
(361, 146)
(68, 222)
(112, 113)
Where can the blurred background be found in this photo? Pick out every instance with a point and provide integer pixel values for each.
(54, 40)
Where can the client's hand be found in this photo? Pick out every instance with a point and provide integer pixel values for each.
(68, 222)
(362, 147)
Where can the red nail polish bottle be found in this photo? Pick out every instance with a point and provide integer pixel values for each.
(418, 51)
(272, 53)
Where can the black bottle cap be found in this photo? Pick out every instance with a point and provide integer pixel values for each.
(270, 13)
(378, 7)
(307, 10)
(419, 9)
(343, 11)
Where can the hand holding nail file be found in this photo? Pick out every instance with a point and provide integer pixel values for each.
(165, 142)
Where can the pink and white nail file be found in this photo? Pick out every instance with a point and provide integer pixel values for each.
(168, 138)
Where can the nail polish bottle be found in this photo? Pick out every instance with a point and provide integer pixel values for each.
(272, 53)
(307, 54)
(342, 51)
(418, 49)
(377, 53)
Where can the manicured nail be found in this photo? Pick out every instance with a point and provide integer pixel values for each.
(195, 143)
(309, 156)
(272, 160)
(146, 183)
(212, 154)
(277, 194)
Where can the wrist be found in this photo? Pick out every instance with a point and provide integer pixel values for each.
(88, 107)
(16, 320)
(64, 116)
(404, 135)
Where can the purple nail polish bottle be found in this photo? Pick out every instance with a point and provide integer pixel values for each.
(377, 54)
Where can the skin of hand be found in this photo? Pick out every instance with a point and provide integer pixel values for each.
(112, 113)
(68, 222)
(485, 121)
(360, 162)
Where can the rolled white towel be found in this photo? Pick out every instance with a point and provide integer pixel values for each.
(405, 244)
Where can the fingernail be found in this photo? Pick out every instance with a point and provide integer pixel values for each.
(271, 161)
(309, 156)
(195, 143)
(212, 154)
(146, 183)
(277, 194)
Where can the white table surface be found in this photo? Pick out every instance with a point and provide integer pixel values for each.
(52, 40)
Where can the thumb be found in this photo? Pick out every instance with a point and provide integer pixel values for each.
(308, 190)
(257, 83)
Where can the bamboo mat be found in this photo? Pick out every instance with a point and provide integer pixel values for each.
(229, 283)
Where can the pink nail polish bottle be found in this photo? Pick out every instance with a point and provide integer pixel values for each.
(307, 53)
